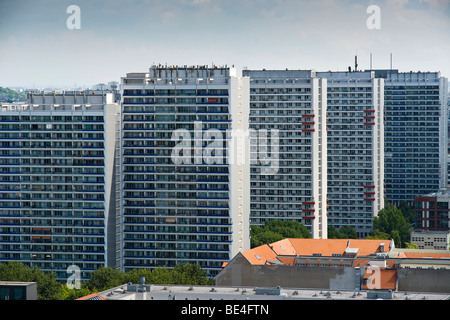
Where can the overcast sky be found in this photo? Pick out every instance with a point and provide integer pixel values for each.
(38, 50)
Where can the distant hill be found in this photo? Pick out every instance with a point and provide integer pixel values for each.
(9, 95)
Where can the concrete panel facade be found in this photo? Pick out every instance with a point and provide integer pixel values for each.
(243, 273)
(426, 280)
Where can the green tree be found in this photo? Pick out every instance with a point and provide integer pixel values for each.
(263, 237)
(378, 235)
(163, 275)
(105, 278)
(191, 274)
(345, 232)
(407, 211)
(333, 233)
(15, 271)
(395, 235)
(391, 221)
(275, 230)
(349, 232)
(101, 279)
(48, 288)
(72, 294)
(135, 275)
(411, 245)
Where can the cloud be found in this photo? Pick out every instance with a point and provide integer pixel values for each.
(437, 4)
(398, 4)
(201, 1)
(118, 37)
(195, 2)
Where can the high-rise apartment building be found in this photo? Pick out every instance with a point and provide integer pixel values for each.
(355, 129)
(448, 138)
(415, 133)
(289, 167)
(57, 181)
(185, 179)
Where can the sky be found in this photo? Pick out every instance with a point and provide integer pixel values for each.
(115, 37)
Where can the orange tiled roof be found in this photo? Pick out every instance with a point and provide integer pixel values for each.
(387, 279)
(93, 296)
(284, 247)
(360, 263)
(367, 246)
(327, 247)
(424, 255)
(309, 247)
(259, 255)
(289, 261)
(390, 263)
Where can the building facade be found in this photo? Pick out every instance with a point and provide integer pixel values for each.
(290, 104)
(355, 139)
(448, 136)
(57, 181)
(415, 133)
(20, 291)
(432, 211)
(434, 240)
(185, 197)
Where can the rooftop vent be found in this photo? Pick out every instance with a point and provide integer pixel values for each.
(268, 291)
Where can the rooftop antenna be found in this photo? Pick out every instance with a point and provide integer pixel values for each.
(391, 61)
(370, 61)
(356, 63)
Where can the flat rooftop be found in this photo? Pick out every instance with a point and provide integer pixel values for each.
(16, 283)
(443, 192)
(186, 292)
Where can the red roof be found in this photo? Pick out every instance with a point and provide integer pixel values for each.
(328, 247)
(93, 296)
(421, 255)
(384, 280)
(313, 247)
(260, 255)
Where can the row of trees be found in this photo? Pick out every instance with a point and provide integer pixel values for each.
(102, 279)
(391, 223)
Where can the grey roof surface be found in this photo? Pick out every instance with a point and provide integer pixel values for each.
(179, 292)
